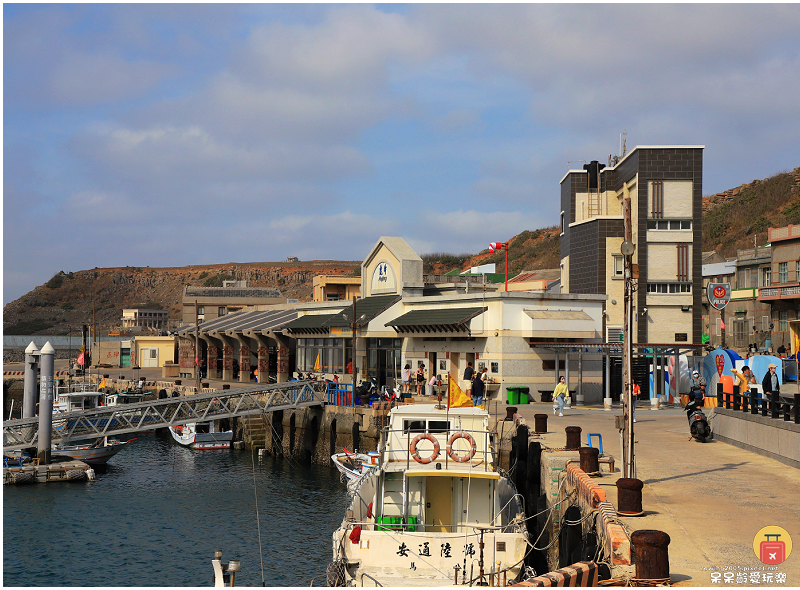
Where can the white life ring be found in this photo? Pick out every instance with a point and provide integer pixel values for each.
(415, 452)
(466, 436)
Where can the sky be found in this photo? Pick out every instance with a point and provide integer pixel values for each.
(181, 134)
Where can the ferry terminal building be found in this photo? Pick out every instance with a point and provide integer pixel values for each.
(523, 338)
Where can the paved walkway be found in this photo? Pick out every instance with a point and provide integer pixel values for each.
(712, 498)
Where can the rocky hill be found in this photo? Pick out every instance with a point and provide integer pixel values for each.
(732, 219)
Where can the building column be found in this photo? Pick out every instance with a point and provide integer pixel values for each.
(227, 361)
(213, 355)
(579, 392)
(283, 363)
(244, 362)
(185, 356)
(263, 363)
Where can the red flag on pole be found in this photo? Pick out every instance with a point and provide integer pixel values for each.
(80, 359)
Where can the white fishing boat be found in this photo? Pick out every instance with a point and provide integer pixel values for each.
(355, 465)
(201, 435)
(435, 512)
(96, 453)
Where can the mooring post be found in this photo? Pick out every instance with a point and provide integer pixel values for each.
(651, 554)
(629, 495)
(48, 357)
(573, 438)
(29, 391)
(589, 459)
(540, 423)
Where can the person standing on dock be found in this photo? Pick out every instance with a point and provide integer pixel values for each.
(477, 391)
(406, 377)
(466, 383)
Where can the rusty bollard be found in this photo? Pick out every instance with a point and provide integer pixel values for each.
(540, 423)
(629, 495)
(573, 438)
(510, 411)
(651, 554)
(589, 462)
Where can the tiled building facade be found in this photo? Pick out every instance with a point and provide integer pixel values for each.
(665, 185)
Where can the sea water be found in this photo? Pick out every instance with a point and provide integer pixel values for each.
(157, 512)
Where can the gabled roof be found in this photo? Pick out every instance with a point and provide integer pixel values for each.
(454, 319)
(310, 324)
(247, 320)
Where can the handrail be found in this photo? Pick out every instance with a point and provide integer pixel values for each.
(770, 405)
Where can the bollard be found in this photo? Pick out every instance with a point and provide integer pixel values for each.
(510, 411)
(177, 381)
(31, 370)
(589, 462)
(47, 360)
(573, 438)
(651, 554)
(226, 386)
(205, 385)
(540, 423)
(629, 495)
(753, 400)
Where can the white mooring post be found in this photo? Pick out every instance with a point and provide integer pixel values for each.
(29, 391)
(48, 358)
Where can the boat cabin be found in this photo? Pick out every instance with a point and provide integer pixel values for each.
(124, 397)
(77, 401)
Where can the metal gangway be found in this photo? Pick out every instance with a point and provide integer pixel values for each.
(163, 413)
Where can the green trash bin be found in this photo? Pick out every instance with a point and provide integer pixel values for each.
(523, 395)
(513, 396)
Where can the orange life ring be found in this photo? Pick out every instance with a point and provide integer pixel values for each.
(466, 436)
(415, 452)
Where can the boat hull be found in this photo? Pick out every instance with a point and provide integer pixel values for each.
(188, 436)
(89, 454)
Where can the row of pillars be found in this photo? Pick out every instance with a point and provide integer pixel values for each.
(650, 547)
(188, 354)
(36, 362)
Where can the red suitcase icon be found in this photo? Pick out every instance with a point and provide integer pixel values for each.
(773, 552)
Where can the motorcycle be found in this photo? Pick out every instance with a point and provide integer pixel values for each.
(698, 425)
(389, 394)
(367, 390)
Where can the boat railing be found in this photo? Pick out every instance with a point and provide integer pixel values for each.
(482, 457)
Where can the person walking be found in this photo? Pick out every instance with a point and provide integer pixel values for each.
(770, 383)
(559, 396)
(636, 391)
(421, 379)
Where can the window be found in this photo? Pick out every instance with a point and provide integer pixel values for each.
(670, 225)
(783, 321)
(667, 288)
(332, 297)
(765, 323)
(766, 276)
(783, 272)
(201, 310)
(683, 262)
(222, 311)
(562, 223)
(619, 266)
(797, 272)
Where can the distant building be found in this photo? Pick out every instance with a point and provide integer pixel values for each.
(336, 288)
(214, 302)
(665, 185)
(136, 319)
(534, 280)
(782, 292)
(292, 259)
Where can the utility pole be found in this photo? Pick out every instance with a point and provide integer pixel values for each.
(196, 347)
(627, 250)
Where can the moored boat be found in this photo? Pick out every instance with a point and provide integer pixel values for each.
(96, 453)
(435, 512)
(355, 465)
(201, 435)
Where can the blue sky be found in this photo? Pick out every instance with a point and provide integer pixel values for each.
(177, 134)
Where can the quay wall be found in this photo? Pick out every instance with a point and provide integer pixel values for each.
(777, 439)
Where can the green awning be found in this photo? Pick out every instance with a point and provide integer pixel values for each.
(309, 324)
(366, 309)
(455, 319)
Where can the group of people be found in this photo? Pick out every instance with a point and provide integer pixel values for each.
(474, 384)
(410, 379)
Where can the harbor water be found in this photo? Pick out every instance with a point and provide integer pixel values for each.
(157, 512)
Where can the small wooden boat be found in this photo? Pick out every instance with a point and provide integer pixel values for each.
(96, 453)
(355, 465)
(201, 435)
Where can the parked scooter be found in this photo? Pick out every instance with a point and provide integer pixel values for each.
(366, 390)
(389, 394)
